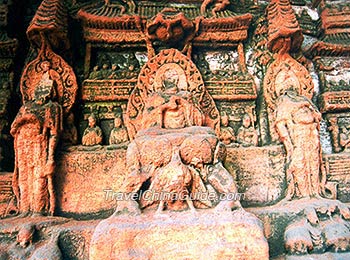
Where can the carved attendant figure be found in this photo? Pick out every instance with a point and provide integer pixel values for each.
(105, 71)
(298, 124)
(246, 134)
(93, 133)
(113, 73)
(36, 129)
(119, 133)
(344, 138)
(95, 73)
(227, 135)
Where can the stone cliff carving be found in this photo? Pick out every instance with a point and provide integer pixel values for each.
(172, 90)
(92, 134)
(246, 134)
(168, 148)
(298, 124)
(119, 133)
(170, 124)
(37, 127)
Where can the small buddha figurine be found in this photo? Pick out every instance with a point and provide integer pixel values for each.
(93, 133)
(105, 71)
(95, 73)
(344, 138)
(227, 135)
(70, 133)
(247, 135)
(119, 133)
(113, 73)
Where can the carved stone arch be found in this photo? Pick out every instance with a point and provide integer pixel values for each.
(66, 86)
(190, 79)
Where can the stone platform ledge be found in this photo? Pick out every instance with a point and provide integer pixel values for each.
(10, 226)
(73, 241)
(180, 235)
(77, 236)
(277, 217)
(325, 256)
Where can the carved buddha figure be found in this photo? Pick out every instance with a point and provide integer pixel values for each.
(113, 73)
(227, 135)
(105, 71)
(93, 133)
(246, 134)
(176, 146)
(170, 107)
(95, 73)
(119, 133)
(344, 138)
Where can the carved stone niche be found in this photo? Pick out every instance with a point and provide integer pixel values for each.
(173, 157)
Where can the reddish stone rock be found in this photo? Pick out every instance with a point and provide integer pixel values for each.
(180, 235)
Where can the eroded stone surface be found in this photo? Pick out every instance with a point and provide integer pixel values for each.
(180, 235)
(96, 174)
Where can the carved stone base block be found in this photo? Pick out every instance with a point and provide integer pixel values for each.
(288, 224)
(180, 235)
(84, 177)
(85, 174)
(259, 173)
